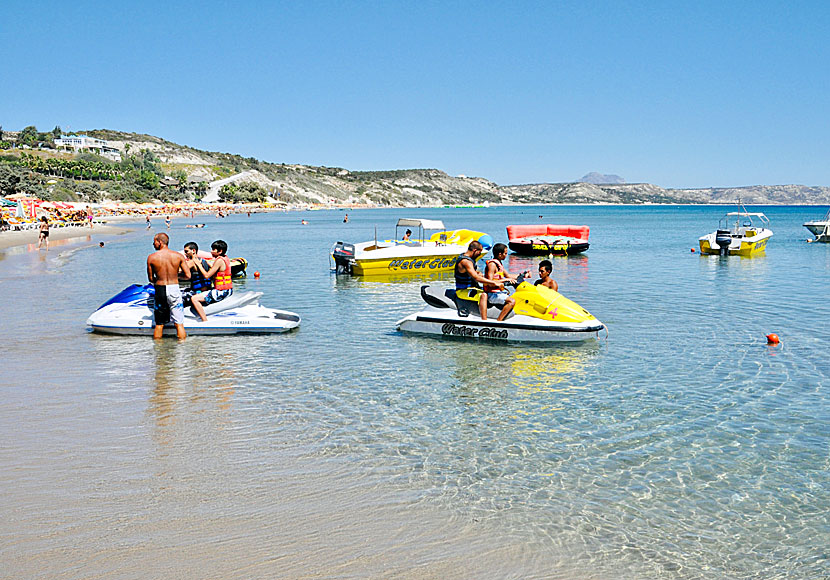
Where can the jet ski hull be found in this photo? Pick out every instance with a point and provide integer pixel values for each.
(518, 328)
(540, 315)
(130, 313)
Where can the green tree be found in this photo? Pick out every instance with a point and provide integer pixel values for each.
(148, 180)
(28, 136)
(247, 192)
(227, 193)
(10, 178)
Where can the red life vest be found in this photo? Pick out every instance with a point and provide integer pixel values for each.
(499, 274)
(222, 281)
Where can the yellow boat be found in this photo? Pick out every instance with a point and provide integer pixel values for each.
(739, 233)
(419, 254)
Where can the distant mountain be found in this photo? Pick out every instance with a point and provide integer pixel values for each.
(602, 179)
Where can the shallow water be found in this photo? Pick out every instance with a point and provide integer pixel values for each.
(681, 447)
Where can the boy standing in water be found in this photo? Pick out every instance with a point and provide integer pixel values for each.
(163, 268)
(545, 268)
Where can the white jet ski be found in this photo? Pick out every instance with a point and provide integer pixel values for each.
(131, 312)
(540, 315)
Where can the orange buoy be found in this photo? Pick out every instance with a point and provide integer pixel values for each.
(772, 339)
(693, 250)
(256, 274)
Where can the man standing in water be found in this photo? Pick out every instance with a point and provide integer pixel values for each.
(163, 268)
(545, 269)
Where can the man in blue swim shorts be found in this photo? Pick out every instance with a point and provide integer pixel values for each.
(163, 267)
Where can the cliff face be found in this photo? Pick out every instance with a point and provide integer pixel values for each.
(430, 187)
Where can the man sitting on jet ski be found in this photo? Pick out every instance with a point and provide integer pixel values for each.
(467, 276)
(496, 295)
(220, 273)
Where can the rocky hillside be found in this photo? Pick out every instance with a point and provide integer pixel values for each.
(418, 187)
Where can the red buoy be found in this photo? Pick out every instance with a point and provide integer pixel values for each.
(256, 274)
(772, 339)
(693, 250)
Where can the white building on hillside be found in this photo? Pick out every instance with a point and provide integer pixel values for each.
(86, 143)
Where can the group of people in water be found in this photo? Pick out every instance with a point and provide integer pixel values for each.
(493, 279)
(209, 282)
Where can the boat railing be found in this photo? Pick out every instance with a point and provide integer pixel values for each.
(743, 222)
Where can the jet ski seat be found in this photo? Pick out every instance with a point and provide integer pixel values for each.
(235, 300)
(463, 305)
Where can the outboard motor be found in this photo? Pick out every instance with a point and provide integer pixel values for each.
(723, 238)
(343, 254)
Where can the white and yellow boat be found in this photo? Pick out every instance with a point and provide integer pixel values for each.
(419, 254)
(739, 233)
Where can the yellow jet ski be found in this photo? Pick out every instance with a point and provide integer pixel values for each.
(540, 315)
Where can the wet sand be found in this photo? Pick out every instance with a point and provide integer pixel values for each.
(11, 239)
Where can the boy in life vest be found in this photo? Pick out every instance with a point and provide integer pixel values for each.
(496, 295)
(219, 273)
(198, 283)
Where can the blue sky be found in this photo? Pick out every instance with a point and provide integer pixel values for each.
(679, 94)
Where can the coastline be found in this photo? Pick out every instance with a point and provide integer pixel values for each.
(12, 239)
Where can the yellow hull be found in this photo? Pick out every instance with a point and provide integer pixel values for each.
(421, 264)
(746, 249)
(437, 254)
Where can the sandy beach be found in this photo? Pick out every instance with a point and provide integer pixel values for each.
(21, 238)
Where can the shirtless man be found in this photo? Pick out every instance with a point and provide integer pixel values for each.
(545, 268)
(163, 268)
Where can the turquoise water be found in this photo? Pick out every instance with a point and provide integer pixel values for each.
(682, 447)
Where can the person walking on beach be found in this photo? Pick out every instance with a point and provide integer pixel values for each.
(43, 237)
(89, 217)
(163, 267)
(220, 273)
(545, 268)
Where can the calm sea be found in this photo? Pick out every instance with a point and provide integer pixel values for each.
(681, 447)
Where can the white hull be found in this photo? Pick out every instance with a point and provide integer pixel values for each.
(241, 315)
(818, 228)
(518, 328)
